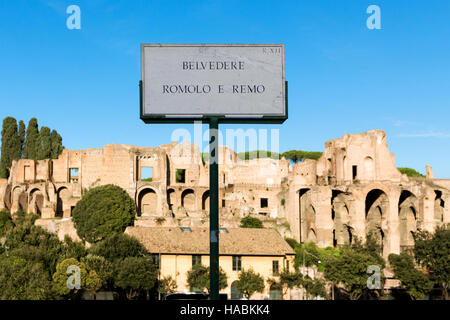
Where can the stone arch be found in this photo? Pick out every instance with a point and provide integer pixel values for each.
(188, 200)
(236, 294)
(376, 207)
(312, 235)
(407, 214)
(36, 201)
(147, 202)
(341, 218)
(171, 198)
(369, 168)
(275, 292)
(205, 201)
(62, 199)
(439, 205)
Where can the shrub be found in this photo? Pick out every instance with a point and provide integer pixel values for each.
(103, 211)
(251, 222)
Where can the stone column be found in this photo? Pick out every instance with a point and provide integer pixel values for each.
(391, 225)
(324, 222)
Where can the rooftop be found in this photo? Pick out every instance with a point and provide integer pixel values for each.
(237, 241)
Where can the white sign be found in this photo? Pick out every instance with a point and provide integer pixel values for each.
(200, 80)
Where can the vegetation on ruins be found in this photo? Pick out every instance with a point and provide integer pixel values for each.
(198, 278)
(27, 143)
(410, 172)
(300, 155)
(432, 252)
(258, 154)
(251, 222)
(103, 211)
(250, 282)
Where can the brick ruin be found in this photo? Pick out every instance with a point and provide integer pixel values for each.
(354, 188)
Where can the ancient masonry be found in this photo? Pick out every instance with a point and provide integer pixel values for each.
(353, 189)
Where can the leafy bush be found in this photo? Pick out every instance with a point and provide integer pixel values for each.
(103, 211)
(5, 222)
(198, 278)
(118, 246)
(251, 222)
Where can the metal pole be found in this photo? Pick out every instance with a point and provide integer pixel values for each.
(214, 208)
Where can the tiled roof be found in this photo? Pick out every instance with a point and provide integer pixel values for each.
(237, 241)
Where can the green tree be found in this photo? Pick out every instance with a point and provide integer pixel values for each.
(11, 146)
(103, 211)
(300, 155)
(250, 282)
(102, 267)
(56, 145)
(24, 280)
(314, 287)
(433, 253)
(349, 270)
(65, 275)
(251, 222)
(134, 274)
(167, 285)
(45, 144)
(30, 150)
(21, 137)
(35, 243)
(198, 278)
(72, 249)
(416, 283)
(117, 247)
(5, 222)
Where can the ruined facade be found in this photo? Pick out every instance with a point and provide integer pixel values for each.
(354, 188)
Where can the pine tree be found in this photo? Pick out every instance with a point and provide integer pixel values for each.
(45, 144)
(32, 141)
(21, 137)
(57, 146)
(10, 145)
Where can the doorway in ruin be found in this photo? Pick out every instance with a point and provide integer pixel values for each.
(376, 207)
(171, 199)
(407, 216)
(188, 200)
(439, 205)
(63, 196)
(205, 201)
(341, 219)
(148, 202)
(37, 201)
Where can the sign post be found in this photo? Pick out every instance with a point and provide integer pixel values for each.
(214, 208)
(213, 83)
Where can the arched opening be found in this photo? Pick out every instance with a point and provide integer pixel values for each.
(377, 204)
(341, 218)
(37, 201)
(369, 168)
(188, 199)
(275, 292)
(205, 201)
(148, 202)
(312, 235)
(438, 207)
(171, 199)
(8, 198)
(236, 294)
(407, 216)
(23, 202)
(63, 196)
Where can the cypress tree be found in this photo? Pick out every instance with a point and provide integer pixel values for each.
(57, 146)
(10, 145)
(32, 141)
(21, 136)
(45, 144)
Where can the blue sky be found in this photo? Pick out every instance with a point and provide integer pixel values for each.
(343, 77)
